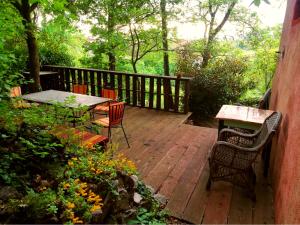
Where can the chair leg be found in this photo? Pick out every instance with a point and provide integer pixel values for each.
(125, 135)
(109, 134)
(208, 184)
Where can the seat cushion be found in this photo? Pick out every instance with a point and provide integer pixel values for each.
(102, 122)
(104, 108)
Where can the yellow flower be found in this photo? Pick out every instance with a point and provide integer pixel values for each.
(74, 159)
(96, 207)
(76, 220)
(70, 163)
(66, 186)
(70, 205)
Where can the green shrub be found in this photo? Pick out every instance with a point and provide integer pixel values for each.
(56, 180)
(221, 82)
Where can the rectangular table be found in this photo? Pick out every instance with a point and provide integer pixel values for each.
(242, 117)
(54, 96)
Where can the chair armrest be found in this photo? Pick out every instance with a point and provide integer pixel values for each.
(237, 138)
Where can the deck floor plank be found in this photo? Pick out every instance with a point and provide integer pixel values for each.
(172, 157)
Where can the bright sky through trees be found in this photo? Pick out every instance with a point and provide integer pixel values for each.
(269, 14)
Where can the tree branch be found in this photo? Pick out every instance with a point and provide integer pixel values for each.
(225, 18)
(33, 6)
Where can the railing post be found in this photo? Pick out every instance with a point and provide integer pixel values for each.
(186, 96)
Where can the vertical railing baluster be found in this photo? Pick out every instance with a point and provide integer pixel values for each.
(176, 101)
(151, 92)
(120, 86)
(127, 87)
(158, 93)
(92, 82)
(67, 77)
(135, 91)
(142, 91)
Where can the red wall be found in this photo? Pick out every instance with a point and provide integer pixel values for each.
(285, 155)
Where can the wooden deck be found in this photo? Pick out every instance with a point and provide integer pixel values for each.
(172, 157)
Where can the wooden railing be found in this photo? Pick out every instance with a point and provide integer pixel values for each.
(149, 91)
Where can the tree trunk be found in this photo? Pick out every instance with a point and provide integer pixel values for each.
(164, 27)
(112, 61)
(25, 9)
(168, 99)
(34, 62)
(111, 29)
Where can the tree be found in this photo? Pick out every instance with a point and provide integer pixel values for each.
(26, 9)
(109, 19)
(143, 41)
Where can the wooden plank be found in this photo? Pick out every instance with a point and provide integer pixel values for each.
(79, 76)
(158, 94)
(120, 87)
(263, 211)
(127, 86)
(68, 81)
(218, 203)
(176, 102)
(62, 80)
(112, 80)
(85, 79)
(105, 81)
(134, 91)
(143, 91)
(73, 76)
(99, 84)
(186, 96)
(194, 211)
(151, 92)
(241, 207)
(167, 94)
(92, 83)
(185, 187)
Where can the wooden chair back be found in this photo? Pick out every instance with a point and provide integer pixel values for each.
(109, 93)
(79, 89)
(15, 92)
(116, 113)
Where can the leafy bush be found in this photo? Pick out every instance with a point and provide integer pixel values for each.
(50, 180)
(12, 45)
(221, 82)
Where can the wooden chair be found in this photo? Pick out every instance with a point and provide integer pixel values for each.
(15, 92)
(18, 103)
(104, 108)
(114, 119)
(234, 153)
(81, 137)
(79, 89)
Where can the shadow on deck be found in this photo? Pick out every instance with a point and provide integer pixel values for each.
(172, 158)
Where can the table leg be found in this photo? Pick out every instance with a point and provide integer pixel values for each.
(221, 125)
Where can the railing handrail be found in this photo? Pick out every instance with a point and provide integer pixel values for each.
(123, 73)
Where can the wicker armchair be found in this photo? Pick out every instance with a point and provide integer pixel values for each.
(234, 153)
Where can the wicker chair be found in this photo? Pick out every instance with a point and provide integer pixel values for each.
(234, 153)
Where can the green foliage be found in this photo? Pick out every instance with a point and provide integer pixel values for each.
(12, 57)
(60, 43)
(221, 82)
